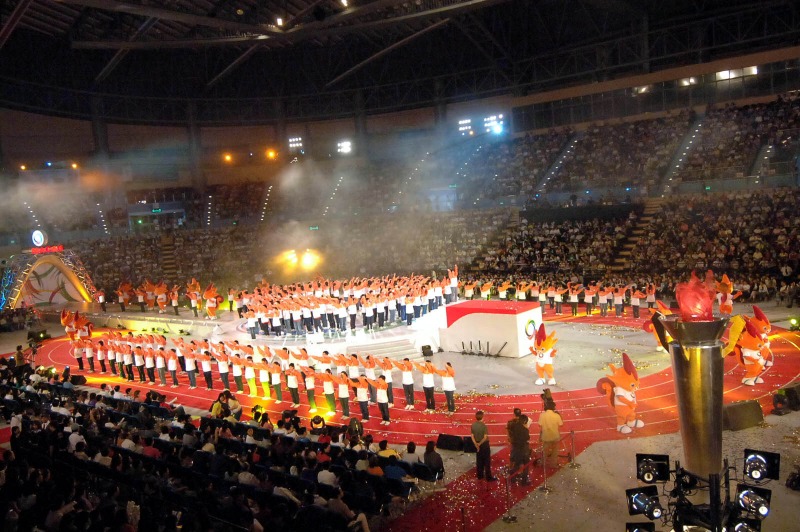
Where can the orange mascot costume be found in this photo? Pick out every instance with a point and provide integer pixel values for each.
(160, 290)
(544, 353)
(725, 296)
(744, 340)
(620, 389)
(212, 299)
(763, 326)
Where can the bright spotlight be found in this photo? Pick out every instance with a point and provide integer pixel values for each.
(762, 465)
(271, 154)
(309, 260)
(652, 468)
(753, 500)
(227, 157)
(644, 501)
(23, 167)
(74, 166)
(344, 147)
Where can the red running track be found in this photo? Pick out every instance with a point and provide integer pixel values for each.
(584, 412)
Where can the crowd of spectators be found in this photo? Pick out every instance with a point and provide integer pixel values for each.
(110, 260)
(628, 154)
(751, 234)
(15, 319)
(731, 137)
(515, 167)
(109, 460)
(583, 247)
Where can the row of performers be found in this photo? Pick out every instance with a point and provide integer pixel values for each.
(413, 290)
(593, 296)
(147, 357)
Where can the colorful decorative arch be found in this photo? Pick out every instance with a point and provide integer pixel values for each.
(24, 271)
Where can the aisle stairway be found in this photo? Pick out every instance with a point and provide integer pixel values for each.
(396, 349)
(651, 206)
(169, 263)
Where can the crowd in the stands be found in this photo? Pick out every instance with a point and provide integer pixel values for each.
(113, 460)
(628, 154)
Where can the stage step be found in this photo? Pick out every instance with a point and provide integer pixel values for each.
(394, 349)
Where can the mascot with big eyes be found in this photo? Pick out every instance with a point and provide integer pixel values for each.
(620, 389)
(747, 341)
(725, 296)
(212, 299)
(160, 291)
(544, 353)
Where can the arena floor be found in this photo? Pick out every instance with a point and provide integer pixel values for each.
(497, 385)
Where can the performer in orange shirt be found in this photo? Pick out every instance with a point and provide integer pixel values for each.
(428, 370)
(383, 397)
(406, 367)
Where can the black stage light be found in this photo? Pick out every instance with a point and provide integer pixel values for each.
(753, 500)
(644, 501)
(762, 465)
(652, 468)
(640, 527)
(743, 525)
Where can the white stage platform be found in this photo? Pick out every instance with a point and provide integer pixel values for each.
(506, 328)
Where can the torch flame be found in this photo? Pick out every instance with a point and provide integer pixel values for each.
(695, 300)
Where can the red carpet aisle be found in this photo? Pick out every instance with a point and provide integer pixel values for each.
(584, 412)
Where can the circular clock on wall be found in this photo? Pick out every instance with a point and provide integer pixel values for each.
(39, 238)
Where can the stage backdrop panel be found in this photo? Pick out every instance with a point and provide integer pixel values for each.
(492, 322)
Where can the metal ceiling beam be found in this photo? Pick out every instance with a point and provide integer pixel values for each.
(388, 49)
(296, 35)
(168, 14)
(120, 55)
(483, 51)
(619, 6)
(13, 20)
(231, 67)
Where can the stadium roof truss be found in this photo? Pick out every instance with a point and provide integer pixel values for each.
(265, 60)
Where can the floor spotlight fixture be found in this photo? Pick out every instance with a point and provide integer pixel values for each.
(761, 465)
(640, 527)
(753, 500)
(644, 501)
(652, 468)
(744, 525)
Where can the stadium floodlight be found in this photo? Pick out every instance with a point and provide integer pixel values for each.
(644, 501)
(344, 147)
(753, 500)
(652, 468)
(640, 527)
(762, 465)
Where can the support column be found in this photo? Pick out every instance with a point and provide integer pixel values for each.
(99, 128)
(360, 123)
(645, 27)
(195, 147)
(281, 140)
(440, 112)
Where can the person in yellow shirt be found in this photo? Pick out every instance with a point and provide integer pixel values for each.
(550, 423)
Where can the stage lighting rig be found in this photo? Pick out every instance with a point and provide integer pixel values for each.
(741, 513)
(644, 501)
(753, 500)
(761, 465)
(640, 527)
(652, 468)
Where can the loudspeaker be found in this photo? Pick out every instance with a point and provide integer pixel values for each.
(469, 447)
(427, 351)
(793, 395)
(77, 380)
(742, 415)
(450, 443)
(38, 335)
